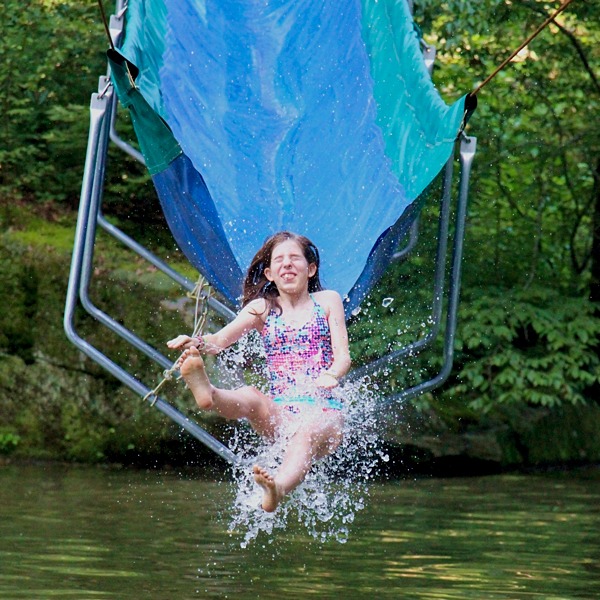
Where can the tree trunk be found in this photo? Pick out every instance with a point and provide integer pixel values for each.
(595, 282)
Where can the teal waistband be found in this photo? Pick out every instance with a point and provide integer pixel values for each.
(328, 402)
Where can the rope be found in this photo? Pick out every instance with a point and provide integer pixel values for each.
(202, 292)
(105, 22)
(531, 37)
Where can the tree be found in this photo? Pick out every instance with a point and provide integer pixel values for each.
(535, 185)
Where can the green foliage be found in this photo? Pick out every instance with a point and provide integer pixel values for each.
(532, 202)
(566, 434)
(54, 402)
(51, 58)
(19, 291)
(533, 347)
(9, 440)
(46, 107)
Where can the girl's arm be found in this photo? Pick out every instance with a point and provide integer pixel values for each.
(250, 317)
(339, 341)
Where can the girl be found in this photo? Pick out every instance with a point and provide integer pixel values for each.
(306, 345)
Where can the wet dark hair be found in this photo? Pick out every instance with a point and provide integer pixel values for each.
(256, 284)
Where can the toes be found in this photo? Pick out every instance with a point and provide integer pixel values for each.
(190, 353)
(262, 474)
(193, 351)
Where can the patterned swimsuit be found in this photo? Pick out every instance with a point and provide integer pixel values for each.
(296, 357)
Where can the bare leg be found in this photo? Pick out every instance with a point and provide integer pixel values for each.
(312, 442)
(244, 403)
(309, 444)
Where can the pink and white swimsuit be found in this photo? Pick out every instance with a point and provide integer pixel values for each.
(296, 357)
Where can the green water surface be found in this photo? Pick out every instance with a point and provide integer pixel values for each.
(87, 533)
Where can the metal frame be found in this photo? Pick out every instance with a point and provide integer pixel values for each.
(467, 149)
(103, 108)
(81, 269)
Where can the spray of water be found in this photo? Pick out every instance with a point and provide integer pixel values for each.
(334, 490)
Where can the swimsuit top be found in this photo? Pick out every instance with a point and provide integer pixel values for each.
(296, 356)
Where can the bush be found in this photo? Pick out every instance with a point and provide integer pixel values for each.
(9, 440)
(534, 347)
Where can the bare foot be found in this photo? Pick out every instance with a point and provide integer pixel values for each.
(272, 492)
(191, 367)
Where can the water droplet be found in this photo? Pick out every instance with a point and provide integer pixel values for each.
(386, 302)
(356, 311)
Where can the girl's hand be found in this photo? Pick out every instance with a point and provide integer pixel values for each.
(327, 381)
(204, 344)
(182, 342)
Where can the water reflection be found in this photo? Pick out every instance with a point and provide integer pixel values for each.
(94, 533)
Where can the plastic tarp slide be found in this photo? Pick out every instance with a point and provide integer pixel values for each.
(314, 116)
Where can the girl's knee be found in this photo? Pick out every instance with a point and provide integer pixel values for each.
(311, 435)
(324, 437)
(251, 393)
(254, 399)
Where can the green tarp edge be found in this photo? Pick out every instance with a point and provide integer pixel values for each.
(157, 144)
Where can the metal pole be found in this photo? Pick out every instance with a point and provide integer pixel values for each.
(467, 154)
(183, 281)
(89, 243)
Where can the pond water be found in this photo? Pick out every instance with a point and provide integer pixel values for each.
(73, 532)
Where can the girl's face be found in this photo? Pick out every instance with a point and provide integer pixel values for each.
(289, 270)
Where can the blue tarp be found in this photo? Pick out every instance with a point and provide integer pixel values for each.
(313, 116)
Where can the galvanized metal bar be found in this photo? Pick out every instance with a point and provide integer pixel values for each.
(143, 252)
(146, 254)
(88, 251)
(98, 109)
(468, 148)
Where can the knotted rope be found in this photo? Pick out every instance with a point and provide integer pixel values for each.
(201, 293)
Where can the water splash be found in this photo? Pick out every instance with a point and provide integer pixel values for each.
(326, 503)
(333, 492)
